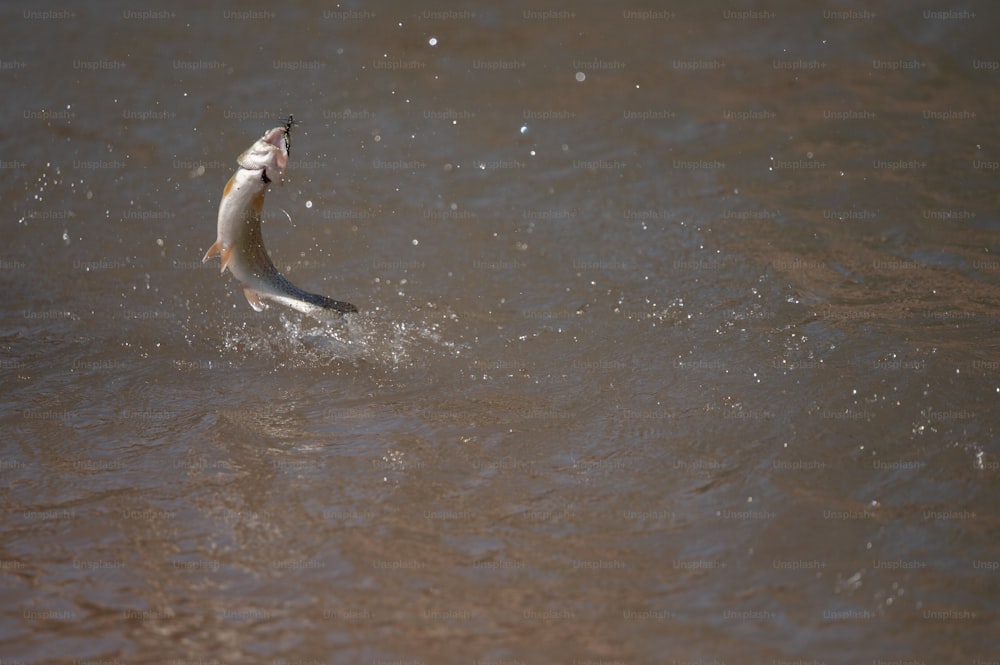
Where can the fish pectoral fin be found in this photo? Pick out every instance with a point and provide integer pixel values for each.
(214, 250)
(255, 298)
(224, 254)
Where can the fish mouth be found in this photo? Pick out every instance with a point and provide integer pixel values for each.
(270, 152)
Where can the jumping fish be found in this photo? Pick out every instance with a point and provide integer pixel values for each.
(240, 245)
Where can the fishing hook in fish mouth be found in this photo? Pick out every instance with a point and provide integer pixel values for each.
(288, 134)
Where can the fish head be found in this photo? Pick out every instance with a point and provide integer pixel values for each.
(268, 155)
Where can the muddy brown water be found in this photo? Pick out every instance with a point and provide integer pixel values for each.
(677, 342)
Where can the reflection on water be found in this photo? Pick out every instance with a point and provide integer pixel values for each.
(677, 337)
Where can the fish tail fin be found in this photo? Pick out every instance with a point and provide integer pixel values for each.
(329, 303)
(295, 298)
(339, 306)
(315, 299)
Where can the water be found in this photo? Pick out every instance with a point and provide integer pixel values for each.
(677, 341)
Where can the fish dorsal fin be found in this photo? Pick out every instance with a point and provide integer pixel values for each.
(255, 298)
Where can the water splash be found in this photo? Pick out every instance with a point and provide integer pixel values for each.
(302, 341)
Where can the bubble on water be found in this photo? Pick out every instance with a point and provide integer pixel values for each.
(433, 41)
(309, 204)
(581, 77)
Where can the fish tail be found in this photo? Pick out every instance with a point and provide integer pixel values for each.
(290, 290)
(328, 303)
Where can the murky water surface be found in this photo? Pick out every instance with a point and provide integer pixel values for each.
(678, 338)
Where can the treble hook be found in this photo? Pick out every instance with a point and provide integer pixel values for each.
(288, 133)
